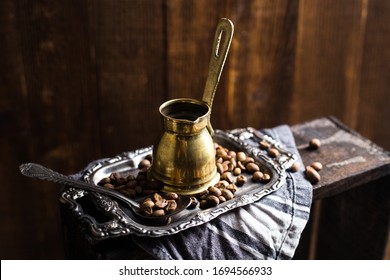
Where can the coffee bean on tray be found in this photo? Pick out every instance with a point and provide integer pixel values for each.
(257, 176)
(252, 167)
(157, 205)
(273, 152)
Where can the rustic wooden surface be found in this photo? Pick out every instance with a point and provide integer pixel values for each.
(349, 160)
(345, 224)
(82, 80)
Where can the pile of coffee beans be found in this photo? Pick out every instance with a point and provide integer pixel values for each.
(133, 185)
(232, 166)
(235, 169)
(159, 205)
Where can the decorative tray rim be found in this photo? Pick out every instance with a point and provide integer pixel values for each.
(121, 223)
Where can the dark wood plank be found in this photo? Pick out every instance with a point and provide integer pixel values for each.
(127, 43)
(373, 113)
(260, 69)
(349, 160)
(327, 60)
(55, 46)
(190, 28)
(355, 224)
(43, 103)
(14, 218)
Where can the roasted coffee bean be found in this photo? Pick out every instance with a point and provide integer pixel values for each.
(224, 183)
(214, 191)
(104, 181)
(161, 204)
(241, 180)
(227, 176)
(225, 167)
(233, 162)
(158, 213)
(149, 157)
(257, 176)
(227, 194)
(115, 175)
(120, 187)
(220, 185)
(108, 186)
(171, 206)
(312, 175)
(219, 168)
(252, 167)
(317, 165)
(132, 184)
(233, 154)
(221, 199)
(232, 188)
(295, 167)
(230, 167)
(221, 152)
(236, 171)
(129, 192)
(248, 160)
(120, 181)
(148, 211)
(157, 197)
(212, 200)
(264, 145)
(266, 178)
(314, 144)
(241, 156)
(241, 165)
(147, 203)
(203, 194)
(171, 196)
(203, 204)
(273, 152)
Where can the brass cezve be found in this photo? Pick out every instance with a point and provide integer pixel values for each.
(184, 153)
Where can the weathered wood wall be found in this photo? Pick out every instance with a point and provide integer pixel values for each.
(81, 80)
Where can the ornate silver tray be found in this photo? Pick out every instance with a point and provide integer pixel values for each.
(110, 219)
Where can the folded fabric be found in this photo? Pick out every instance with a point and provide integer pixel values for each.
(267, 229)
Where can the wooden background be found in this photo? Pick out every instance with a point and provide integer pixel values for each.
(82, 80)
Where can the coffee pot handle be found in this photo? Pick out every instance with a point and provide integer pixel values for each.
(222, 39)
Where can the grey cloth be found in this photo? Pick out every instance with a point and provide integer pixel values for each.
(267, 229)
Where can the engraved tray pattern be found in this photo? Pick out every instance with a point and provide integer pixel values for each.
(120, 221)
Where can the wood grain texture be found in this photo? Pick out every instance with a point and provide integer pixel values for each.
(361, 232)
(82, 80)
(129, 62)
(348, 159)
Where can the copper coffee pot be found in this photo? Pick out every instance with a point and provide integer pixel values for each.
(184, 154)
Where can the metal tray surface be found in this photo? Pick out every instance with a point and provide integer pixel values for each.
(118, 220)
